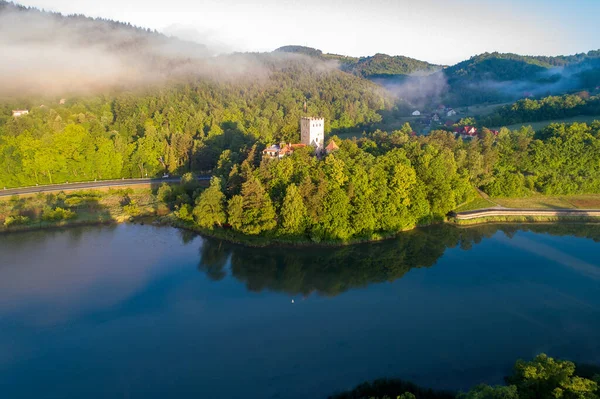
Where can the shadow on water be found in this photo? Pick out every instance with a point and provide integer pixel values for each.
(331, 271)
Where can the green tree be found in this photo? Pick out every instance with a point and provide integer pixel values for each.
(210, 206)
(487, 392)
(293, 212)
(257, 212)
(545, 377)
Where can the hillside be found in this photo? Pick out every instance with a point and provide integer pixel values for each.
(138, 103)
(372, 67)
(496, 77)
(383, 65)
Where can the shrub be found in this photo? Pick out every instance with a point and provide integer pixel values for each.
(58, 214)
(132, 209)
(15, 220)
(165, 193)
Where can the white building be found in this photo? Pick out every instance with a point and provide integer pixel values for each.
(416, 113)
(312, 132)
(451, 112)
(19, 112)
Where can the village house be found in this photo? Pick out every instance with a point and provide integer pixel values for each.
(466, 132)
(416, 113)
(19, 112)
(435, 118)
(281, 150)
(450, 112)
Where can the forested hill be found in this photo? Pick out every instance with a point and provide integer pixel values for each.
(48, 27)
(376, 66)
(499, 77)
(487, 77)
(96, 112)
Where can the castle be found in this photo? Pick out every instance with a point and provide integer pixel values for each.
(312, 132)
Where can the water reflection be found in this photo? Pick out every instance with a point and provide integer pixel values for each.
(55, 275)
(98, 312)
(331, 271)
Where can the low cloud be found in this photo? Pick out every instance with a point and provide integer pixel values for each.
(419, 89)
(47, 54)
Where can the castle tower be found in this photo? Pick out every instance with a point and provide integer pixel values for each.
(312, 132)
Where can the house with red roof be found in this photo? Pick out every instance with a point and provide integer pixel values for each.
(281, 150)
(466, 132)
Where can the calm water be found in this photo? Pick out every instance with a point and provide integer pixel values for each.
(144, 312)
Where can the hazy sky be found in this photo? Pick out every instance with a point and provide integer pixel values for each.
(439, 31)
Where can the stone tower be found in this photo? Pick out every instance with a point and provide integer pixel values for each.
(312, 132)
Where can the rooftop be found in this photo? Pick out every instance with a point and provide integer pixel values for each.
(313, 118)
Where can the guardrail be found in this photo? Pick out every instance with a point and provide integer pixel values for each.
(490, 212)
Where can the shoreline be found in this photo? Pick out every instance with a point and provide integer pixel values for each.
(483, 217)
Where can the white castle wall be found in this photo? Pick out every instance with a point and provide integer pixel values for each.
(312, 132)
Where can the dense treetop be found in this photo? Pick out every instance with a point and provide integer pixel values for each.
(547, 108)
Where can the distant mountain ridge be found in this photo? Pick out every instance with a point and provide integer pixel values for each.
(376, 66)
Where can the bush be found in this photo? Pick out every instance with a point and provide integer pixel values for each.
(58, 214)
(74, 201)
(165, 193)
(185, 213)
(15, 220)
(132, 209)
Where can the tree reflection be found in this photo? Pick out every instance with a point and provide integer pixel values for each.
(213, 259)
(331, 271)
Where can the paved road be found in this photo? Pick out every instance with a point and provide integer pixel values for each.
(479, 213)
(89, 185)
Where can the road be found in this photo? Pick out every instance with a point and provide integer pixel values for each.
(481, 213)
(89, 185)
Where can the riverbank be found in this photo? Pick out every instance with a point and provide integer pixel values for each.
(112, 206)
(272, 240)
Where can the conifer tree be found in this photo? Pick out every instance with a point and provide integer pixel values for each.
(210, 206)
(257, 212)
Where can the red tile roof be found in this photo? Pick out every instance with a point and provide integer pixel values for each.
(332, 146)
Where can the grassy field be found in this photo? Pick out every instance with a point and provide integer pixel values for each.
(542, 124)
(587, 201)
(583, 201)
(478, 203)
(479, 109)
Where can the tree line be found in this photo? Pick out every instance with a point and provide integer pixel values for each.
(542, 377)
(388, 182)
(547, 108)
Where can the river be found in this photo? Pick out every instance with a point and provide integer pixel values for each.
(132, 311)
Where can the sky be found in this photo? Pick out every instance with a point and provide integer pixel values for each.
(438, 31)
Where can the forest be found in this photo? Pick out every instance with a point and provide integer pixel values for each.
(546, 108)
(542, 377)
(175, 129)
(385, 183)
